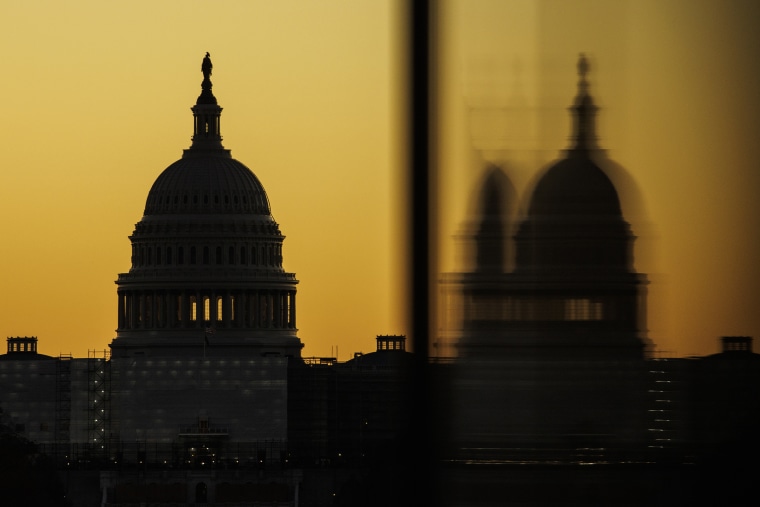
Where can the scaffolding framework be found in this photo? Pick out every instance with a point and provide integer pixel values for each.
(98, 400)
(62, 405)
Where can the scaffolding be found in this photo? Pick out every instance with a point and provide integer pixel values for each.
(62, 436)
(98, 402)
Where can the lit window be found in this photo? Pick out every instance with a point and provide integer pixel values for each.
(583, 309)
(193, 308)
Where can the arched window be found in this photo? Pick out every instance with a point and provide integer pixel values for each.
(231, 256)
(583, 309)
(158, 255)
(206, 308)
(192, 255)
(168, 255)
(193, 308)
(243, 257)
(218, 255)
(205, 255)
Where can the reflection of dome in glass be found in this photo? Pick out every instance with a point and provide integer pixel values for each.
(207, 183)
(574, 219)
(575, 186)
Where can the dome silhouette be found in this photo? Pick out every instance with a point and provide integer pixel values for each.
(207, 183)
(575, 186)
(574, 221)
(207, 257)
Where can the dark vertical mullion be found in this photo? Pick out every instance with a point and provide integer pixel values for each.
(423, 489)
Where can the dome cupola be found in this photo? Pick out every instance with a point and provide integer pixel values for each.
(207, 179)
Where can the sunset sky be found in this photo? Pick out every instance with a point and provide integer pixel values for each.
(96, 104)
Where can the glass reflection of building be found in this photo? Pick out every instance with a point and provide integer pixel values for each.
(551, 354)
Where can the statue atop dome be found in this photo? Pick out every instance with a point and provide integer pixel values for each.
(583, 113)
(206, 96)
(206, 66)
(582, 66)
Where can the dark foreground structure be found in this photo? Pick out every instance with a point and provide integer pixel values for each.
(553, 397)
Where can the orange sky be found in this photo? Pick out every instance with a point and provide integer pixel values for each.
(96, 105)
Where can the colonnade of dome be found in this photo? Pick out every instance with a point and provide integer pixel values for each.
(183, 309)
(165, 254)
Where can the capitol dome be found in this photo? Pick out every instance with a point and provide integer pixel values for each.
(575, 186)
(574, 223)
(207, 257)
(207, 183)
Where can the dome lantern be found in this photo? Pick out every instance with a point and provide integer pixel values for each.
(583, 110)
(207, 114)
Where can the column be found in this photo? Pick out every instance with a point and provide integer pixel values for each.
(240, 313)
(227, 307)
(141, 310)
(277, 297)
(212, 316)
(171, 309)
(133, 309)
(250, 309)
(121, 310)
(293, 309)
(200, 311)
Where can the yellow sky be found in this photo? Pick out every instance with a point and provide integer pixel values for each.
(96, 104)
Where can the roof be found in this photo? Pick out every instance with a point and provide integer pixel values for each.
(575, 186)
(207, 183)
